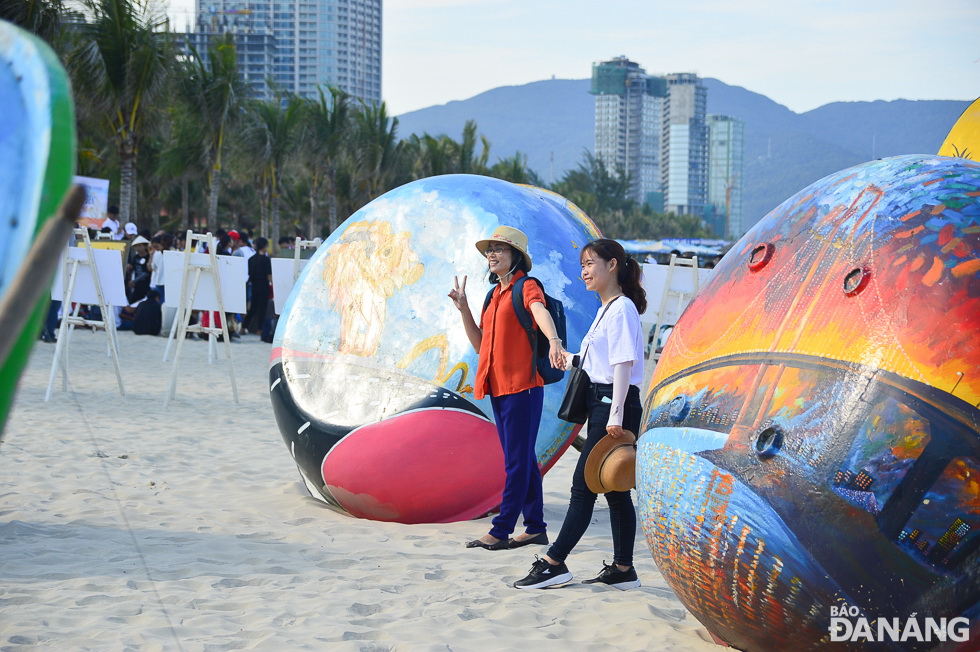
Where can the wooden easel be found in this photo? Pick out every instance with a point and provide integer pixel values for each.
(70, 318)
(302, 244)
(175, 324)
(188, 290)
(680, 299)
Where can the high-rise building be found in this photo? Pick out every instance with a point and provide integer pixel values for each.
(255, 50)
(726, 150)
(299, 44)
(628, 114)
(684, 146)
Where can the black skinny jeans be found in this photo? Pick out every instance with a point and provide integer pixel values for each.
(622, 515)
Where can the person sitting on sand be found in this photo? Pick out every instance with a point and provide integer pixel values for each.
(516, 395)
(138, 270)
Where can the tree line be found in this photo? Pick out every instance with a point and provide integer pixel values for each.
(188, 146)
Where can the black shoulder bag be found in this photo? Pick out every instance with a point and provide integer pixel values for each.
(575, 403)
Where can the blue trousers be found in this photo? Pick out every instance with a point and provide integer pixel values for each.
(50, 329)
(622, 515)
(518, 417)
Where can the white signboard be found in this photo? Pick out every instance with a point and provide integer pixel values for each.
(231, 272)
(655, 284)
(96, 201)
(110, 276)
(282, 280)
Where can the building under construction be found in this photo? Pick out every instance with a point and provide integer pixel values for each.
(653, 128)
(299, 44)
(628, 114)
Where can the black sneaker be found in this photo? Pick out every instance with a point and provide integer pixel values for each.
(544, 574)
(611, 575)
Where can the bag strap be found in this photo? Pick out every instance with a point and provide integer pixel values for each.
(591, 330)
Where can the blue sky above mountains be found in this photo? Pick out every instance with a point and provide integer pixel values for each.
(802, 54)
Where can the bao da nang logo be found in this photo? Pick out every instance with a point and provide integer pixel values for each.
(848, 624)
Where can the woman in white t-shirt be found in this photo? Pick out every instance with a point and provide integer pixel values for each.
(614, 364)
(158, 245)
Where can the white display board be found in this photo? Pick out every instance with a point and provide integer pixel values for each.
(655, 284)
(232, 274)
(282, 280)
(110, 276)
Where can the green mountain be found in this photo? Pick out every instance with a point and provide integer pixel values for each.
(552, 123)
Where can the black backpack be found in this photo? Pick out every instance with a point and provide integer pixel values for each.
(540, 346)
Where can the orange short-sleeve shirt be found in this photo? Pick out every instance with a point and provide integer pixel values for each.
(505, 353)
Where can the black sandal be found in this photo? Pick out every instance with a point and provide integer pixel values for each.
(476, 543)
(541, 538)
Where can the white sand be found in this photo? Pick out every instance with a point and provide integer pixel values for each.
(125, 526)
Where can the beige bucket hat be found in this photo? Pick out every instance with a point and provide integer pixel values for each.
(508, 235)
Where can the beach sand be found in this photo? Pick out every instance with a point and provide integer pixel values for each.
(127, 526)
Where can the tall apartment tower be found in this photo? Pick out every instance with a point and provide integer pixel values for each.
(254, 42)
(726, 152)
(684, 149)
(628, 113)
(300, 43)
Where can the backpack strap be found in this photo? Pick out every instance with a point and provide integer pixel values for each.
(524, 317)
(486, 302)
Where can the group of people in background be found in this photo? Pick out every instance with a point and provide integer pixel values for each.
(143, 261)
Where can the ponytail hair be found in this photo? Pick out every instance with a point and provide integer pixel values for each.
(627, 270)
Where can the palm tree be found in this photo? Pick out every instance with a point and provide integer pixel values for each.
(42, 17)
(431, 156)
(328, 125)
(377, 146)
(214, 92)
(121, 65)
(514, 169)
(595, 188)
(468, 162)
(183, 157)
(273, 135)
(435, 156)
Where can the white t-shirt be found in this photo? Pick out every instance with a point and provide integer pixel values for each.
(245, 252)
(618, 338)
(114, 225)
(156, 268)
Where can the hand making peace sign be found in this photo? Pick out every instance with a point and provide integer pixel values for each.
(458, 294)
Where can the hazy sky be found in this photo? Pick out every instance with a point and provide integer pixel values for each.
(800, 53)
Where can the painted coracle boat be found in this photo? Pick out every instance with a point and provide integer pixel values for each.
(371, 372)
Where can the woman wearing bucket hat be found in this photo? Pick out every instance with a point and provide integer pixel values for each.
(613, 361)
(516, 395)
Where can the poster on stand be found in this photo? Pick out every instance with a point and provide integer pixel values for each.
(96, 202)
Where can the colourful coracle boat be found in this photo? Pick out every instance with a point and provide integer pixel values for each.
(37, 161)
(811, 438)
(371, 372)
